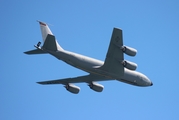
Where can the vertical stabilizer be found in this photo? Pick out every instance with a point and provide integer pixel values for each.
(48, 35)
(44, 30)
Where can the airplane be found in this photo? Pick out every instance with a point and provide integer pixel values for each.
(115, 67)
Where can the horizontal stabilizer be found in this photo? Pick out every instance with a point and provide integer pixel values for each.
(35, 51)
(50, 43)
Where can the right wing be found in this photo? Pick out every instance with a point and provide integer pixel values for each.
(114, 56)
(87, 78)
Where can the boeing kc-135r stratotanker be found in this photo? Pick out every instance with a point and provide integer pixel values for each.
(113, 68)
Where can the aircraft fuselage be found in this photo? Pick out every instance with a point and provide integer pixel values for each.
(91, 65)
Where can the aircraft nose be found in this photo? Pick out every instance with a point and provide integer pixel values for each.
(151, 84)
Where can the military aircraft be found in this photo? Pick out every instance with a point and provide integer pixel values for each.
(113, 68)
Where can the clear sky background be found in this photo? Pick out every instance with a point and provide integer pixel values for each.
(85, 27)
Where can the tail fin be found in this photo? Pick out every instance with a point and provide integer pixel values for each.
(44, 30)
(50, 43)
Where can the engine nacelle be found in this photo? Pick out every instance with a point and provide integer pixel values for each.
(96, 87)
(129, 51)
(129, 65)
(72, 88)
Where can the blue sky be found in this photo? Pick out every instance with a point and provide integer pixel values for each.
(85, 27)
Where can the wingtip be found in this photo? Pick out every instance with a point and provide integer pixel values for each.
(117, 28)
(26, 52)
(38, 82)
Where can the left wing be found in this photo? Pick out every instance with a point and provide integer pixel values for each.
(87, 78)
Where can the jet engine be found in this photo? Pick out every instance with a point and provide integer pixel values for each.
(129, 65)
(72, 88)
(129, 51)
(96, 87)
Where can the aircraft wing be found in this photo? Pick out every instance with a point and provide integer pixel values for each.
(87, 78)
(114, 56)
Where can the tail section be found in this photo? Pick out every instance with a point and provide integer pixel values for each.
(50, 43)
